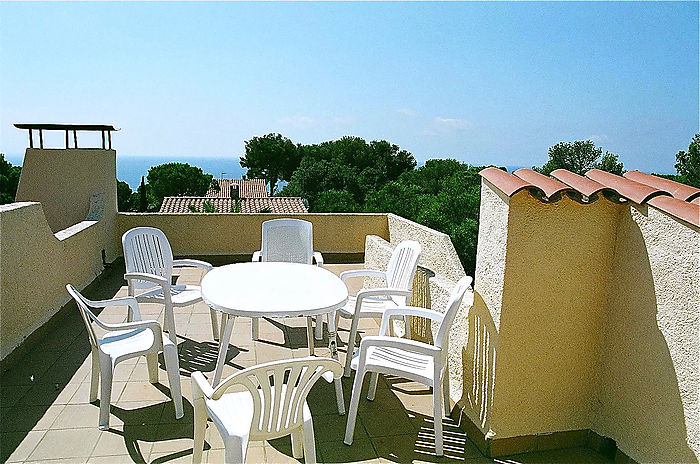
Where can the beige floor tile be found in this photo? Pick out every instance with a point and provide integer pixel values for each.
(121, 459)
(142, 391)
(19, 445)
(75, 416)
(79, 460)
(110, 443)
(278, 454)
(334, 452)
(67, 443)
(82, 394)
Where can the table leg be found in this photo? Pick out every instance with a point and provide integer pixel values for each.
(227, 325)
(310, 335)
(333, 346)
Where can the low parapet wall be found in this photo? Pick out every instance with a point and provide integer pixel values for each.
(239, 234)
(36, 265)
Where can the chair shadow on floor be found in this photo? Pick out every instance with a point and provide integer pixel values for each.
(154, 423)
(295, 336)
(201, 356)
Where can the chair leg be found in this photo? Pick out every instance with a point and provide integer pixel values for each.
(407, 326)
(373, 386)
(446, 392)
(437, 416)
(95, 375)
(214, 324)
(354, 402)
(310, 335)
(169, 319)
(236, 448)
(200, 428)
(172, 366)
(318, 330)
(351, 344)
(152, 362)
(297, 443)
(106, 369)
(309, 442)
(255, 328)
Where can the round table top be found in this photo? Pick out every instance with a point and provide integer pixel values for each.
(273, 290)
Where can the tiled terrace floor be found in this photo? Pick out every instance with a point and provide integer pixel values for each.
(45, 413)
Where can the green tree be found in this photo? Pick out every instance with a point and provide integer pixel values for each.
(272, 157)
(9, 180)
(176, 179)
(579, 157)
(336, 201)
(688, 163)
(126, 198)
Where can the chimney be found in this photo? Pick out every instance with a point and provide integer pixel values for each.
(234, 192)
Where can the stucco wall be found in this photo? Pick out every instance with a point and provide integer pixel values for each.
(63, 181)
(649, 376)
(35, 266)
(235, 233)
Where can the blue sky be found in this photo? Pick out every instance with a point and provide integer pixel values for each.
(486, 83)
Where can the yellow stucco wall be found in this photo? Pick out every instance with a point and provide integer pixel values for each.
(35, 266)
(64, 180)
(236, 233)
(649, 375)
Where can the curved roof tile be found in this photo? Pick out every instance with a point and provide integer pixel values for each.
(549, 186)
(696, 201)
(678, 190)
(506, 182)
(689, 212)
(638, 193)
(581, 184)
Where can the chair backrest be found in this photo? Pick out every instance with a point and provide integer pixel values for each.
(85, 312)
(146, 249)
(402, 267)
(451, 311)
(288, 240)
(279, 390)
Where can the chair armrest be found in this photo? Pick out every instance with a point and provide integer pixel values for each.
(362, 273)
(158, 280)
(383, 291)
(318, 257)
(257, 256)
(401, 343)
(148, 324)
(408, 311)
(129, 301)
(200, 386)
(193, 263)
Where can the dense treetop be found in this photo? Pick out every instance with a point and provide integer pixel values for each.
(9, 179)
(579, 157)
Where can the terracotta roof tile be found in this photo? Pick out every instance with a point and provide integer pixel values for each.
(506, 182)
(696, 201)
(678, 190)
(638, 193)
(581, 184)
(247, 188)
(689, 212)
(224, 205)
(549, 186)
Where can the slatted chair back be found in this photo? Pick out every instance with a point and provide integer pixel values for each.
(288, 240)
(279, 390)
(451, 311)
(402, 267)
(147, 250)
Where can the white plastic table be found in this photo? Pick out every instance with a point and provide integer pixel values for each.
(271, 289)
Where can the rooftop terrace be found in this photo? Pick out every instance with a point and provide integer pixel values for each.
(582, 343)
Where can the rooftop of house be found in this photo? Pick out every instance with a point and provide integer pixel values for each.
(226, 205)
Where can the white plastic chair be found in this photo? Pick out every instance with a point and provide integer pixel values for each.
(124, 341)
(409, 359)
(273, 405)
(373, 302)
(149, 267)
(289, 241)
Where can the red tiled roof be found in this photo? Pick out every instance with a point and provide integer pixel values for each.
(224, 205)
(678, 190)
(549, 186)
(679, 200)
(247, 188)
